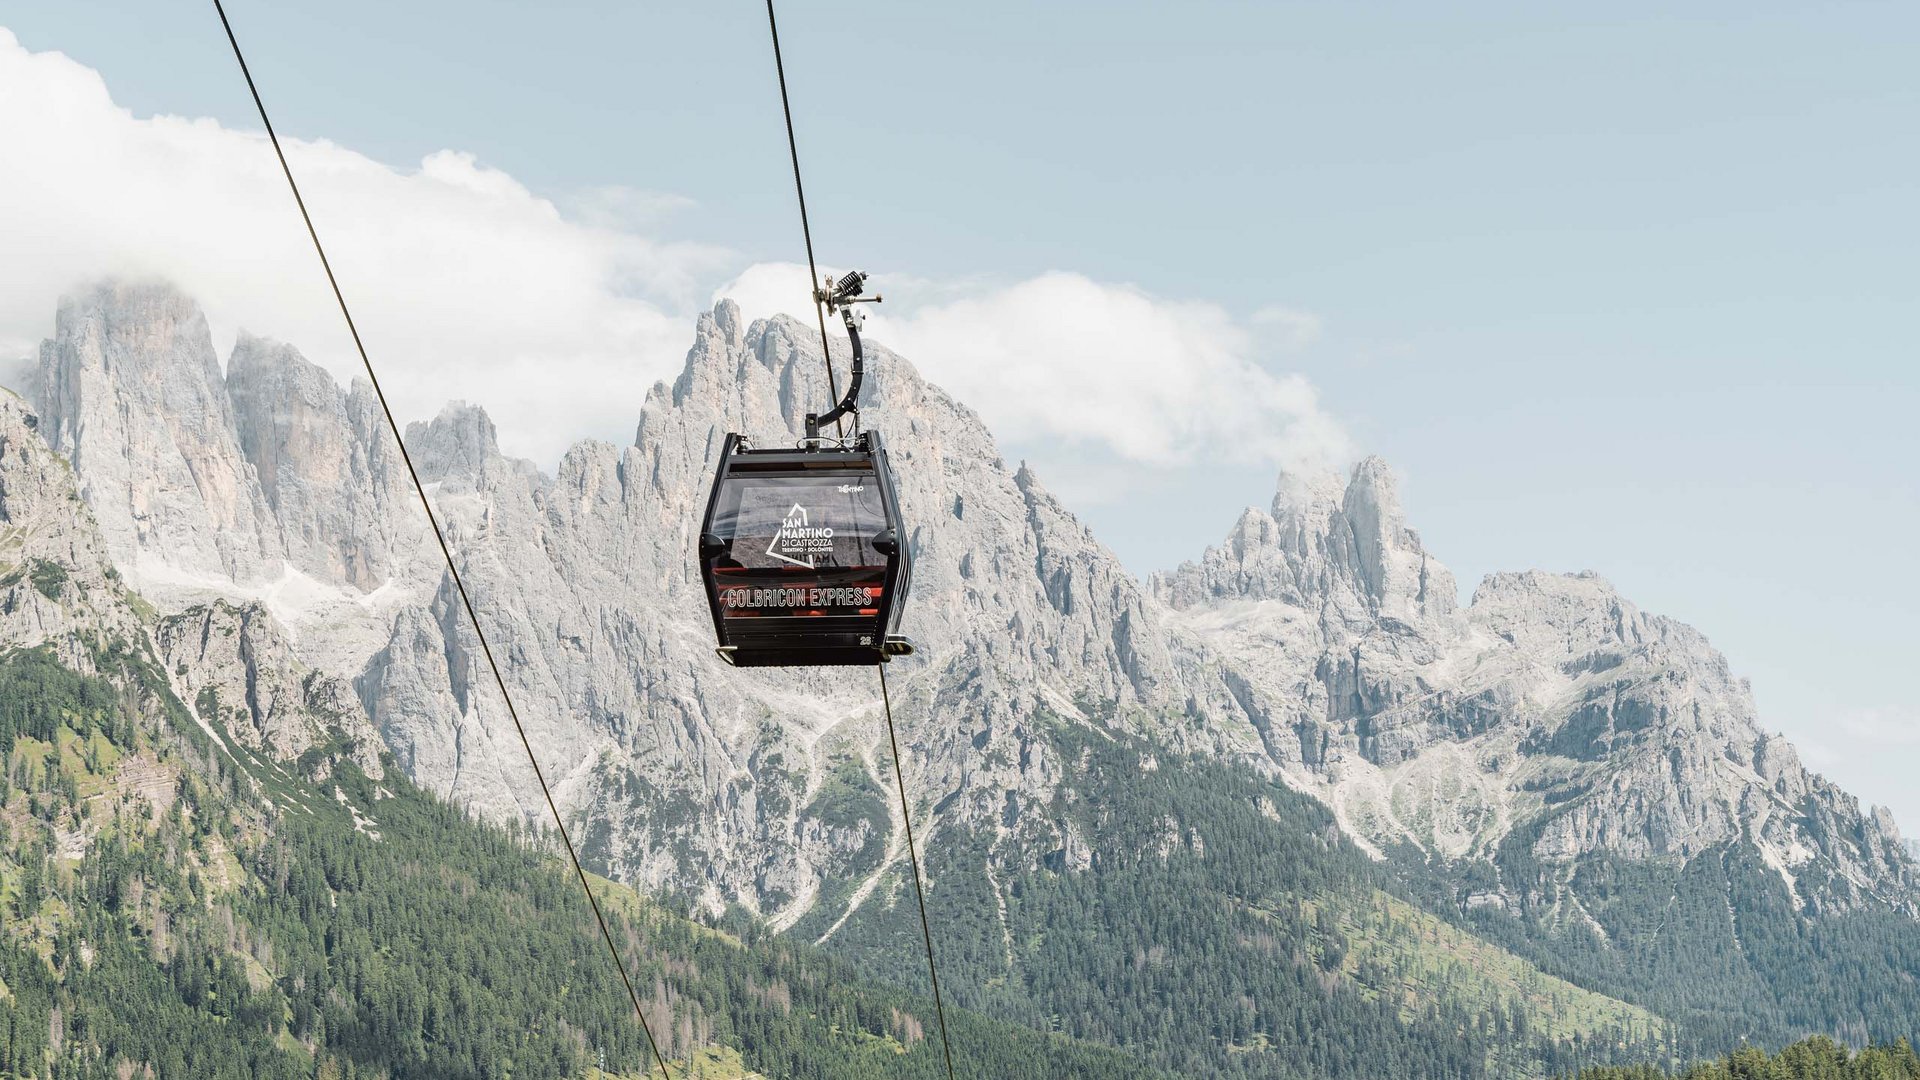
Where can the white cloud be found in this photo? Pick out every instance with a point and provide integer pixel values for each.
(464, 283)
(767, 289)
(1060, 356)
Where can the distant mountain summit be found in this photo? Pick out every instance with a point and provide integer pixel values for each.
(263, 483)
(1550, 709)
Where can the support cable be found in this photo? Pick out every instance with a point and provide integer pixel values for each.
(446, 552)
(806, 231)
(913, 857)
(893, 741)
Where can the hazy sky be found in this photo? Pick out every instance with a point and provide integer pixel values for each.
(1612, 288)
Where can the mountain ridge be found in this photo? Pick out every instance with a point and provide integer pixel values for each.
(1503, 758)
(1335, 554)
(1384, 679)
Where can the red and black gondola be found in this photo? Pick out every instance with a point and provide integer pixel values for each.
(803, 550)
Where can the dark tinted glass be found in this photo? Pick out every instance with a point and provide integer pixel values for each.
(799, 546)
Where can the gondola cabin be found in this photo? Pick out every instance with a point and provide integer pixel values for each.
(802, 556)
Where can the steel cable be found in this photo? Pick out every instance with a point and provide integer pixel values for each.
(439, 535)
(900, 782)
(913, 858)
(806, 230)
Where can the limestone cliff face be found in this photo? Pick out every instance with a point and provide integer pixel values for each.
(1551, 705)
(266, 483)
(131, 393)
(59, 590)
(233, 667)
(343, 509)
(1320, 641)
(57, 583)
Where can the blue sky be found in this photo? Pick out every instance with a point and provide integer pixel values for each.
(1615, 289)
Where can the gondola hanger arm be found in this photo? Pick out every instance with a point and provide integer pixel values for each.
(841, 296)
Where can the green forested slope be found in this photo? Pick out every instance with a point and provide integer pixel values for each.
(1220, 924)
(1717, 945)
(1223, 926)
(169, 906)
(1818, 1058)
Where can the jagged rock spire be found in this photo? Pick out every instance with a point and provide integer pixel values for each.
(131, 392)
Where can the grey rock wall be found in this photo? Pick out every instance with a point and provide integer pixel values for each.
(1320, 641)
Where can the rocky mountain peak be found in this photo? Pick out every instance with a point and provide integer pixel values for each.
(146, 334)
(131, 392)
(753, 376)
(727, 319)
(1342, 546)
(1391, 567)
(1883, 820)
(1342, 638)
(1559, 615)
(1304, 500)
(263, 483)
(980, 530)
(459, 442)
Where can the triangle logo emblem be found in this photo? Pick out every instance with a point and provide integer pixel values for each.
(790, 538)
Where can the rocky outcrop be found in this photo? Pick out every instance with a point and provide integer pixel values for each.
(1550, 707)
(130, 391)
(1345, 548)
(343, 508)
(232, 666)
(58, 587)
(266, 483)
